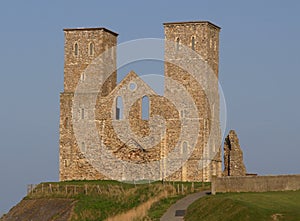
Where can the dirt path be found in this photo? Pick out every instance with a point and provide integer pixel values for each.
(138, 212)
(177, 210)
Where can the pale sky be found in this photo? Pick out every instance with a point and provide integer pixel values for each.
(259, 74)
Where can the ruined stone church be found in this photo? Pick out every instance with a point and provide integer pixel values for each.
(82, 46)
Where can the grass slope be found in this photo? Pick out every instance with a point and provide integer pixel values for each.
(99, 200)
(246, 206)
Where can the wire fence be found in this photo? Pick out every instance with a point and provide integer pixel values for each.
(94, 189)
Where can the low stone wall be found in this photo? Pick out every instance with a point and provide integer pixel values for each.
(255, 183)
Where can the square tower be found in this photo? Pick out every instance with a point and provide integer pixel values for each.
(82, 46)
(203, 38)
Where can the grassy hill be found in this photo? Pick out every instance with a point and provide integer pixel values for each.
(114, 201)
(246, 206)
(98, 200)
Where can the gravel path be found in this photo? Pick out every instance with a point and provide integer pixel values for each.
(177, 210)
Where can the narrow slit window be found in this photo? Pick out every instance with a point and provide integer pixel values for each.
(91, 49)
(145, 108)
(182, 114)
(184, 149)
(76, 49)
(82, 77)
(193, 43)
(66, 124)
(177, 44)
(82, 113)
(66, 163)
(119, 108)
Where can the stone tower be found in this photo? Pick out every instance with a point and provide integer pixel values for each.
(82, 45)
(203, 38)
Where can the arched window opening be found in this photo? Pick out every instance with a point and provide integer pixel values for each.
(66, 123)
(76, 49)
(82, 77)
(193, 43)
(177, 44)
(182, 115)
(66, 163)
(184, 149)
(82, 113)
(145, 108)
(119, 108)
(91, 51)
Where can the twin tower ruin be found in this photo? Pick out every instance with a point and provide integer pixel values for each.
(111, 139)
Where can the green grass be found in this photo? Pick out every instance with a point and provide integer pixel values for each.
(105, 199)
(98, 200)
(113, 198)
(246, 206)
(97, 208)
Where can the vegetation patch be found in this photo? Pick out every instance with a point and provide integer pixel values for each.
(246, 206)
(101, 200)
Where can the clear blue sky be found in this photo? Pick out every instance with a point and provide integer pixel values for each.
(259, 73)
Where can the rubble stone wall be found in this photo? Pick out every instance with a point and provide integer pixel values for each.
(255, 183)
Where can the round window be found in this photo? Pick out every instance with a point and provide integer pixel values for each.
(132, 86)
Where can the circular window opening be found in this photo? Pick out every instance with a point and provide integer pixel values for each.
(132, 86)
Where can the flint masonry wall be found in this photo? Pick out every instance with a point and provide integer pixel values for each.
(81, 47)
(255, 183)
(203, 38)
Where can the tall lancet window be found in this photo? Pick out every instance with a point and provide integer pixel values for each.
(177, 44)
(119, 108)
(145, 108)
(76, 49)
(91, 47)
(184, 149)
(193, 43)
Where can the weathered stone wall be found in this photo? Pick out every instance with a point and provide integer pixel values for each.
(255, 183)
(233, 156)
(133, 147)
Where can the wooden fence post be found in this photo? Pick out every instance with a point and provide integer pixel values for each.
(98, 188)
(86, 191)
